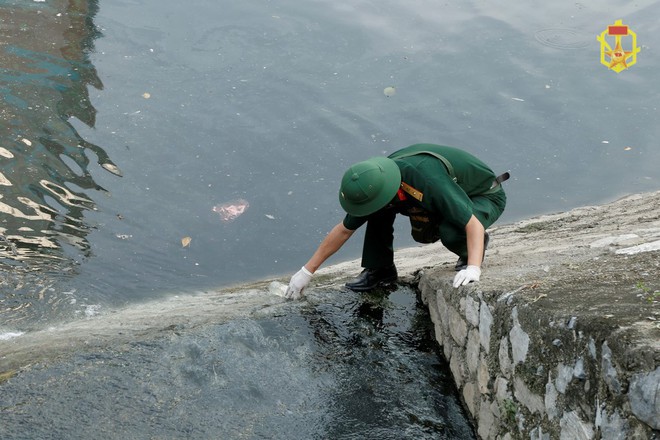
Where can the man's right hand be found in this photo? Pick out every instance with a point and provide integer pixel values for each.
(465, 276)
(298, 283)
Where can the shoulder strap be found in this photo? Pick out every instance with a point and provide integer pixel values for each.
(442, 159)
(414, 193)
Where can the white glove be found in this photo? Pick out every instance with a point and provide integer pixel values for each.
(467, 275)
(298, 283)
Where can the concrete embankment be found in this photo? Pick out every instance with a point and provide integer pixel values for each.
(561, 338)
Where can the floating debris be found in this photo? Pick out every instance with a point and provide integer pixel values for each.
(389, 91)
(185, 241)
(272, 217)
(231, 210)
(627, 149)
(146, 95)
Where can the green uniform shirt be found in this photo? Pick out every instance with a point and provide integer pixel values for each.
(443, 198)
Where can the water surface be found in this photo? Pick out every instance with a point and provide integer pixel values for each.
(336, 367)
(195, 104)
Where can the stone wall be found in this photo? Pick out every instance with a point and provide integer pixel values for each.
(561, 337)
(526, 374)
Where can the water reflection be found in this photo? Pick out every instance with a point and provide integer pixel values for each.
(44, 162)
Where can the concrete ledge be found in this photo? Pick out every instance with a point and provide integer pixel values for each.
(561, 338)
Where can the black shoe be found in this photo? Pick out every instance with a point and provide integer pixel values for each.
(462, 262)
(372, 278)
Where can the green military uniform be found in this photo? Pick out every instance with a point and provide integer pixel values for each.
(439, 195)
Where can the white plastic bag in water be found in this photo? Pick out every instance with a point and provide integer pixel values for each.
(229, 211)
(277, 288)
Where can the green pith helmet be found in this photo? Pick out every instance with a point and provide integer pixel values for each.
(368, 186)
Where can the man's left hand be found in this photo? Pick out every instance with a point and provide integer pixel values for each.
(467, 275)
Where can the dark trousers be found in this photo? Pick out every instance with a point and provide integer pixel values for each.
(378, 250)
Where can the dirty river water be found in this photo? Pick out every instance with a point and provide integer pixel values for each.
(335, 366)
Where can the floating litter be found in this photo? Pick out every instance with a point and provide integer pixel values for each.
(231, 210)
(389, 91)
